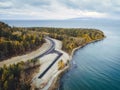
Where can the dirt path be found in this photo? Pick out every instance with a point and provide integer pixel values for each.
(28, 56)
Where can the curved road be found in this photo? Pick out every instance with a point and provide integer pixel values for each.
(50, 50)
(52, 47)
(44, 49)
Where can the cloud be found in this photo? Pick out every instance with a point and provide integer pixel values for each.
(5, 5)
(58, 9)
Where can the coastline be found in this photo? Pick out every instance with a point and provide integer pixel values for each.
(56, 81)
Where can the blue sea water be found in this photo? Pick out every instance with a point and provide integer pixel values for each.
(95, 66)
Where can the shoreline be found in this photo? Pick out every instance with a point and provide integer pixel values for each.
(56, 81)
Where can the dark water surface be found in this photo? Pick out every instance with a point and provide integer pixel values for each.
(95, 66)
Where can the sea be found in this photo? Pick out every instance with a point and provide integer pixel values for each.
(96, 66)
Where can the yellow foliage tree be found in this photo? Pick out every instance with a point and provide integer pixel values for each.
(61, 64)
(87, 38)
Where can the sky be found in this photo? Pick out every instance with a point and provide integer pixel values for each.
(59, 9)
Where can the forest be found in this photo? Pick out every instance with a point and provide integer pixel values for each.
(71, 37)
(19, 40)
(14, 41)
(18, 76)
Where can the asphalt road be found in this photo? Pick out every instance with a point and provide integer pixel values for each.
(51, 50)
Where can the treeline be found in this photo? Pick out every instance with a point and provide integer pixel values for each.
(18, 76)
(17, 40)
(71, 37)
(14, 41)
